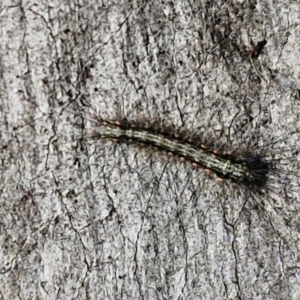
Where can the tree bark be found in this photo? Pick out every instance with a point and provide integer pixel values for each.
(94, 219)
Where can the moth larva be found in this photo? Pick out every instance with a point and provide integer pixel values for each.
(252, 171)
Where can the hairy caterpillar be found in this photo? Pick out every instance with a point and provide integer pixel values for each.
(249, 171)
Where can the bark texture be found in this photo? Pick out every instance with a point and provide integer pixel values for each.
(91, 219)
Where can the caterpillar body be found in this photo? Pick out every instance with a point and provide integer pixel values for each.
(251, 171)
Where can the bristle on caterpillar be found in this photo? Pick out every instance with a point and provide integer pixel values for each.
(252, 171)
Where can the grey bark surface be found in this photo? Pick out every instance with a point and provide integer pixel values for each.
(92, 219)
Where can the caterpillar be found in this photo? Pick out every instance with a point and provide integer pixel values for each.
(250, 171)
